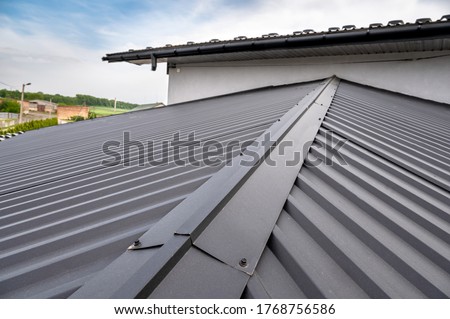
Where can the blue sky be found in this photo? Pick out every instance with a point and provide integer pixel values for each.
(58, 45)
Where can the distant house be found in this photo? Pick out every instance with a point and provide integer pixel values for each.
(42, 106)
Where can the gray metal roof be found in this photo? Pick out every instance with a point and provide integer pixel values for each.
(377, 226)
(64, 216)
(374, 222)
(216, 213)
(394, 37)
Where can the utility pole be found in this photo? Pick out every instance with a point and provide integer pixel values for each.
(21, 102)
(115, 102)
(50, 110)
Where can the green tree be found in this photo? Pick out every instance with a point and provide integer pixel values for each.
(10, 94)
(10, 106)
(79, 99)
(77, 118)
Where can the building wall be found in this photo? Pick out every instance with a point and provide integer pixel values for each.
(424, 75)
(8, 119)
(66, 112)
(25, 107)
(50, 108)
(32, 106)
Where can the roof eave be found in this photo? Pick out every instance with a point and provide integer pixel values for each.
(352, 37)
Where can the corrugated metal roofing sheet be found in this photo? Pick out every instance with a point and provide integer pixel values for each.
(64, 216)
(238, 223)
(377, 226)
(373, 222)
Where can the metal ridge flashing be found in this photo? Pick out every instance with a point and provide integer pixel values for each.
(238, 234)
(277, 133)
(194, 213)
(147, 262)
(256, 206)
(366, 35)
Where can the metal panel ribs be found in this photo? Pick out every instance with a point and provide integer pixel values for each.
(220, 230)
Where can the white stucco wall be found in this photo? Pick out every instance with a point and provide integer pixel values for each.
(427, 75)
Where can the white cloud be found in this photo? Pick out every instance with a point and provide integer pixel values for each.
(54, 65)
(281, 16)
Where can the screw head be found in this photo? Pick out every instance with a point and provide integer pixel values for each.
(243, 262)
(137, 243)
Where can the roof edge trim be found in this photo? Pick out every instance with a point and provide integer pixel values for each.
(367, 35)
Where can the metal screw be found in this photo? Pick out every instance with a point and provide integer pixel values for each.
(243, 262)
(320, 118)
(137, 243)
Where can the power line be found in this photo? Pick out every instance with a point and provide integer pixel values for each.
(10, 86)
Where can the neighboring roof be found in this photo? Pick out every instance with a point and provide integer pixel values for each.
(368, 219)
(72, 106)
(64, 216)
(396, 36)
(147, 106)
(43, 102)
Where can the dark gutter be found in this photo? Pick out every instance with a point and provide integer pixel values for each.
(368, 35)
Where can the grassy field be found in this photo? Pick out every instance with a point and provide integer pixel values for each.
(106, 111)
